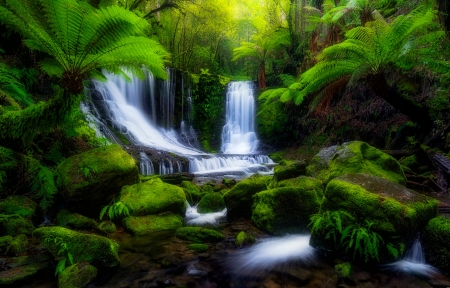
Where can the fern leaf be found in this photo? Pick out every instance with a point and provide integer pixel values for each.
(102, 213)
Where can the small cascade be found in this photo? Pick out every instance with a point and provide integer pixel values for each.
(93, 120)
(145, 165)
(198, 219)
(238, 134)
(167, 100)
(414, 262)
(244, 164)
(165, 167)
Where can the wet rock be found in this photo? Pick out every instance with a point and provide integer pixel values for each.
(289, 169)
(153, 197)
(228, 182)
(435, 242)
(211, 202)
(77, 275)
(18, 204)
(146, 225)
(354, 157)
(15, 225)
(97, 250)
(90, 180)
(244, 239)
(199, 234)
(239, 198)
(107, 226)
(21, 273)
(192, 191)
(198, 247)
(74, 220)
(25, 260)
(177, 178)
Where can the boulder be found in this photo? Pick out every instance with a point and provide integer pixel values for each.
(21, 273)
(177, 178)
(393, 209)
(153, 197)
(239, 198)
(243, 239)
(74, 220)
(18, 204)
(300, 181)
(354, 157)
(91, 179)
(435, 242)
(289, 169)
(5, 244)
(287, 209)
(107, 226)
(14, 225)
(199, 235)
(97, 250)
(211, 202)
(146, 225)
(77, 275)
(192, 192)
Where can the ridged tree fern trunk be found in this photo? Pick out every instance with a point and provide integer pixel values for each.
(415, 111)
(262, 76)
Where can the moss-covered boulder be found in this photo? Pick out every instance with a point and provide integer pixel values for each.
(146, 225)
(239, 198)
(153, 197)
(199, 235)
(198, 247)
(14, 225)
(21, 273)
(272, 121)
(288, 209)
(19, 244)
(301, 181)
(393, 209)
(75, 220)
(289, 169)
(411, 162)
(354, 157)
(97, 250)
(243, 239)
(435, 242)
(229, 182)
(192, 192)
(90, 180)
(18, 204)
(5, 243)
(76, 276)
(343, 270)
(107, 226)
(211, 202)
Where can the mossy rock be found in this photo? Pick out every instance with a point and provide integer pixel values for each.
(14, 262)
(199, 235)
(411, 162)
(77, 275)
(243, 239)
(192, 192)
(91, 179)
(153, 197)
(239, 198)
(272, 120)
(198, 247)
(229, 182)
(211, 202)
(343, 270)
(5, 244)
(435, 242)
(15, 225)
(354, 157)
(286, 210)
(393, 209)
(146, 225)
(289, 169)
(303, 181)
(21, 273)
(19, 244)
(97, 250)
(18, 204)
(107, 226)
(75, 220)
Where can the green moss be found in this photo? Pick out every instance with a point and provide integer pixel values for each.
(239, 198)
(16, 225)
(354, 157)
(21, 273)
(5, 243)
(107, 226)
(77, 275)
(17, 204)
(211, 202)
(243, 238)
(192, 192)
(19, 244)
(435, 241)
(25, 260)
(153, 197)
(75, 220)
(343, 270)
(285, 210)
(199, 234)
(228, 182)
(410, 161)
(393, 209)
(97, 250)
(145, 225)
(272, 121)
(103, 170)
(303, 181)
(289, 169)
(198, 247)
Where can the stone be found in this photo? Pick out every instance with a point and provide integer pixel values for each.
(177, 178)
(212, 202)
(199, 235)
(97, 250)
(153, 197)
(74, 220)
(91, 179)
(192, 192)
(146, 225)
(14, 225)
(107, 226)
(77, 275)
(354, 157)
(289, 169)
(435, 242)
(198, 247)
(21, 273)
(244, 239)
(18, 204)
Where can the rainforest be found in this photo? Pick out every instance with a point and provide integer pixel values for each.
(224, 143)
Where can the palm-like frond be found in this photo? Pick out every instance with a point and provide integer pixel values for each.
(82, 39)
(12, 86)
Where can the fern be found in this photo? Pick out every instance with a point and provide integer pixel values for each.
(42, 183)
(66, 258)
(115, 210)
(11, 85)
(7, 162)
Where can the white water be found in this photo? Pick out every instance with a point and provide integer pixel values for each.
(198, 219)
(238, 134)
(273, 252)
(414, 262)
(145, 165)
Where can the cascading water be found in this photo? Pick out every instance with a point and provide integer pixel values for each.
(238, 134)
(145, 165)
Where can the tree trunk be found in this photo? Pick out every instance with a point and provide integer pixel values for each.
(262, 76)
(415, 111)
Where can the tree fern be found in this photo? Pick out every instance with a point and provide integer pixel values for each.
(42, 183)
(11, 85)
(8, 161)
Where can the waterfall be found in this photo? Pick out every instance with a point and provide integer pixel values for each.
(238, 134)
(145, 165)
